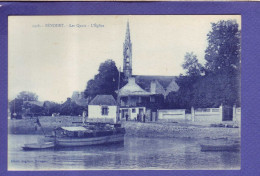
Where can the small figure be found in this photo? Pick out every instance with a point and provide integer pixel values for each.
(138, 117)
(126, 117)
(144, 118)
(84, 118)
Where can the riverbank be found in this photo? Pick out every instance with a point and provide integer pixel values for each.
(151, 129)
(180, 130)
(48, 123)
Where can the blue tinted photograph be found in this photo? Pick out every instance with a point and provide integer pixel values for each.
(124, 92)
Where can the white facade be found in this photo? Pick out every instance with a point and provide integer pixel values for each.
(237, 114)
(95, 112)
(171, 114)
(207, 114)
(132, 112)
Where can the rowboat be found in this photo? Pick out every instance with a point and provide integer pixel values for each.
(220, 147)
(38, 146)
(90, 134)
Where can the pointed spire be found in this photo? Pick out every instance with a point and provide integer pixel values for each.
(127, 35)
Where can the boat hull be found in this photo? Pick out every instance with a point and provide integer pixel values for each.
(71, 142)
(38, 146)
(233, 147)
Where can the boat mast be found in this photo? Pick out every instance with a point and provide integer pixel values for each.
(118, 98)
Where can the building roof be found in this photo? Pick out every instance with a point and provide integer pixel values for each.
(79, 99)
(131, 88)
(37, 103)
(144, 81)
(103, 100)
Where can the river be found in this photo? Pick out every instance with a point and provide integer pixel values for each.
(134, 153)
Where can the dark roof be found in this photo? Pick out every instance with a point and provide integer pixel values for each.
(79, 99)
(37, 103)
(103, 100)
(145, 81)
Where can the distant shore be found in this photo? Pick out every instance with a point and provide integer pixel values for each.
(138, 129)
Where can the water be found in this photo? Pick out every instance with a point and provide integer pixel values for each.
(134, 153)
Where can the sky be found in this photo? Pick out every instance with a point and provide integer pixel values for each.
(55, 60)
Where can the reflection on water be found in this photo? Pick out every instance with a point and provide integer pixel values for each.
(134, 153)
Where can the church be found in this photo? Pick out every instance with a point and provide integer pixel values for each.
(142, 94)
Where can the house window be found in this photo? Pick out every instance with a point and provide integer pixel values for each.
(133, 110)
(104, 110)
(139, 100)
(152, 99)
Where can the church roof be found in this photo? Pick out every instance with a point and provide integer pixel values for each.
(103, 100)
(144, 81)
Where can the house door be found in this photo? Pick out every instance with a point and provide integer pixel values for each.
(154, 116)
(124, 112)
(141, 111)
(227, 113)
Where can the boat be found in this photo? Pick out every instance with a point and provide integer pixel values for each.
(90, 134)
(220, 147)
(38, 146)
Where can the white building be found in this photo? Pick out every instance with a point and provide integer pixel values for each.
(102, 107)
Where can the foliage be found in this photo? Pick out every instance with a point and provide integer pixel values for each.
(15, 106)
(183, 98)
(213, 90)
(20, 108)
(71, 108)
(51, 107)
(27, 96)
(223, 67)
(219, 82)
(223, 51)
(105, 82)
(191, 65)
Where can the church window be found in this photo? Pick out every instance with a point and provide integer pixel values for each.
(133, 110)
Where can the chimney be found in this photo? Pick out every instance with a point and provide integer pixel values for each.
(153, 87)
(131, 80)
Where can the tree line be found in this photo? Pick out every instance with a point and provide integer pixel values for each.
(219, 80)
(27, 104)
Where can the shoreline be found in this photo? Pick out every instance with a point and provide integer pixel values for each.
(135, 129)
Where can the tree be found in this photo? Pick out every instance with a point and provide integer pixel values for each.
(183, 98)
(223, 56)
(191, 65)
(19, 107)
(71, 108)
(105, 82)
(27, 96)
(223, 51)
(220, 81)
(16, 109)
(51, 107)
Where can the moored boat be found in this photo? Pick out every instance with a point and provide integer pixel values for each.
(38, 146)
(90, 134)
(220, 147)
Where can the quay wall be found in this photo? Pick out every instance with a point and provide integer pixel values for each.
(138, 129)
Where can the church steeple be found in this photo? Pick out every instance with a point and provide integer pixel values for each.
(127, 53)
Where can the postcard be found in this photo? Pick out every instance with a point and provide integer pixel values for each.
(124, 92)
